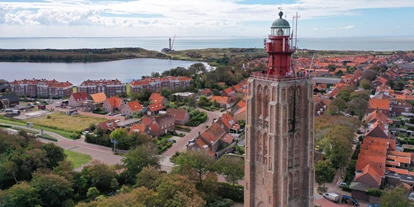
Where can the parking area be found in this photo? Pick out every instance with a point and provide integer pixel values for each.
(32, 114)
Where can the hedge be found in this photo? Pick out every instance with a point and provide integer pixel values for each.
(182, 128)
(374, 192)
(198, 119)
(233, 192)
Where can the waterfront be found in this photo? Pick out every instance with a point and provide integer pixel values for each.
(183, 43)
(123, 70)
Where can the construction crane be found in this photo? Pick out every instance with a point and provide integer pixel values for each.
(170, 46)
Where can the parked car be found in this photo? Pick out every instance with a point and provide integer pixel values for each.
(331, 197)
(411, 196)
(342, 184)
(374, 205)
(349, 200)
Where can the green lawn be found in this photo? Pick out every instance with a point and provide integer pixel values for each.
(77, 159)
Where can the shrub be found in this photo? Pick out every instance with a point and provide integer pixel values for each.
(346, 189)
(374, 192)
(233, 192)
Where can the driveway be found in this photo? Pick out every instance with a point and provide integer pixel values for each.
(181, 144)
(97, 152)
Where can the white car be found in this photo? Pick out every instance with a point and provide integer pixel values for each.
(332, 197)
(411, 196)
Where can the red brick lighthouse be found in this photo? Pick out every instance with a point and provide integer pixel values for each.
(279, 132)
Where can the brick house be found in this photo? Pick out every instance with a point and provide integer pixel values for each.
(113, 104)
(181, 116)
(78, 99)
(400, 106)
(159, 125)
(205, 92)
(109, 125)
(224, 101)
(131, 107)
(211, 140)
(229, 124)
(109, 87)
(41, 88)
(228, 92)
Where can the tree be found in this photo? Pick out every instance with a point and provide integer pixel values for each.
(99, 175)
(176, 190)
(332, 110)
(64, 169)
(142, 156)
(357, 106)
(324, 172)
(331, 68)
(395, 197)
(365, 84)
(114, 184)
(345, 93)
(148, 177)
(53, 189)
(194, 162)
(231, 167)
(203, 101)
(92, 193)
(54, 154)
(360, 94)
(340, 103)
(21, 194)
(369, 74)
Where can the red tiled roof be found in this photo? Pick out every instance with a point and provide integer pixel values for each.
(379, 104)
(369, 169)
(376, 115)
(228, 138)
(178, 114)
(108, 125)
(104, 82)
(213, 133)
(134, 106)
(156, 98)
(80, 96)
(138, 128)
(51, 83)
(98, 97)
(115, 102)
(228, 90)
(241, 104)
(220, 99)
(228, 120)
(155, 107)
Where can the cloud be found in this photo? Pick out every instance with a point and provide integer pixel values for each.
(348, 27)
(315, 28)
(176, 13)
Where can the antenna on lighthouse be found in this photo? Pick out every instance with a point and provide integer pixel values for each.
(296, 29)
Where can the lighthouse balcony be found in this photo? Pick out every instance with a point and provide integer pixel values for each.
(265, 76)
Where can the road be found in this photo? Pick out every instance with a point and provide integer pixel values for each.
(180, 145)
(97, 152)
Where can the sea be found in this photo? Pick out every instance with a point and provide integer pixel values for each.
(126, 70)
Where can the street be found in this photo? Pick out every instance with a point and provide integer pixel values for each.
(180, 145)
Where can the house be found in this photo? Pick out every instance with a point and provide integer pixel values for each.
(78, 99)
(4, 86)
(159, 125)
(109, 87)
(239, 111)
(228, 92)
(157, 98)
(139, 128)
(9, 101)
(154, 109)
(222, 100)
(238, 106)
(400, 106)
(131, 107)
(181, 116)
(382, 105)
(229, 124)
(169, 82)
(98, 98)
(114, 104)
(109, 125)
(206, 92)
(211, 140)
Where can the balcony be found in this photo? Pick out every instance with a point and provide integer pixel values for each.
(263, 76)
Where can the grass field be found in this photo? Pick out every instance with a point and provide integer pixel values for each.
(69, 123)
(77, 159)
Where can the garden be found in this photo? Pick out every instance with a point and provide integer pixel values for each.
(196, 117)
(61, 121)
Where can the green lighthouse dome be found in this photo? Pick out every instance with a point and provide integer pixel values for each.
(280, 23)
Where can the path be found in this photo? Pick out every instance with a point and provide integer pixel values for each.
(97, 152)
(181, 144)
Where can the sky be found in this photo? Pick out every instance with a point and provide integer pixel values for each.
(135, 18)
